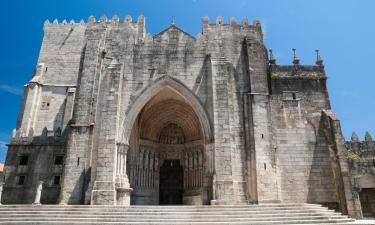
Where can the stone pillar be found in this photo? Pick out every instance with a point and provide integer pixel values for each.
(122, 182)
(38, 193)
(79, 148)
(223, 157)
(104, 190)
(30, 108)
(1, 190)
(259, 130)
(68, 114)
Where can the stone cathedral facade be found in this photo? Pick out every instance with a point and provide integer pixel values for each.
(116, 116)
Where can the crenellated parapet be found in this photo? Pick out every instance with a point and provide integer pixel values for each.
(358, 146)
(361, 155)
(219, 27)
(232, 26)
(92, 20)
(138, 26)
(363, 149)
(296, 70)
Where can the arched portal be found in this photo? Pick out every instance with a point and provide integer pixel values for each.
(169, 135)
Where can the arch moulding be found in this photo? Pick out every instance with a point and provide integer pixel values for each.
(152, 90)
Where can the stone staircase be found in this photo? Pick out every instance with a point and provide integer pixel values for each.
(204, 215)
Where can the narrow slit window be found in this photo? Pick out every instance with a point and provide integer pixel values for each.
(21, 180)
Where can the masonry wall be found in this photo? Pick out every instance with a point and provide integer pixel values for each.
(361, 158)
(61, 52)
(172, 53)
(40, 167)
(299, 95)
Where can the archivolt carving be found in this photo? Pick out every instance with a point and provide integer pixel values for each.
(144, 171)
(152, 90)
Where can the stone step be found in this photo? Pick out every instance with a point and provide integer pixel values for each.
(250, 214)
(295, 221)
(169, 215)
(161, 208)
(36, 213)
(169, 206)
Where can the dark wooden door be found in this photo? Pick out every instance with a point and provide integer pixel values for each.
(171, 183)
(367, 197)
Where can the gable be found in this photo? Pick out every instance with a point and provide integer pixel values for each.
(173, 32)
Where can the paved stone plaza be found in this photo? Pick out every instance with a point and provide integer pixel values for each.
(115, 116)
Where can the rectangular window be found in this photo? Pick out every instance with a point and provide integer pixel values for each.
(24, 160)
(56, 180)
(21, 180)
(59, 159)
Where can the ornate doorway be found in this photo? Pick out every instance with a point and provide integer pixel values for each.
(171, 183)
(167, 158)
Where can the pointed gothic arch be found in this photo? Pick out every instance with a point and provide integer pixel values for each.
(152, 90)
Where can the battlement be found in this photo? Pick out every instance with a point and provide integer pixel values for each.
(232, 26)
(92, 20)
(232, 23)
(361, 150)
(367, 138)
(128, 21)
(297, 71)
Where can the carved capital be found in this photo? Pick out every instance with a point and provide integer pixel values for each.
(122, 148)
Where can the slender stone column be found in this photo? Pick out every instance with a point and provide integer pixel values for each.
(122, 182)
(1, 190)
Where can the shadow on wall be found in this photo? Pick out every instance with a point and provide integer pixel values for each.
(321, 181)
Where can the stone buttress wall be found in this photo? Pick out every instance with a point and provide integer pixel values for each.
(299, 95)
(230, 84)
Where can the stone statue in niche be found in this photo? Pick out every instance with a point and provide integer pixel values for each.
(38, 193)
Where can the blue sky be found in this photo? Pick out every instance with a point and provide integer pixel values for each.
(344, 30)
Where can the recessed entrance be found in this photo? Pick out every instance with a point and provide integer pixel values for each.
(171, 183)
(167, 160)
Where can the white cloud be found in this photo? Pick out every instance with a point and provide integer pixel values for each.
(11, 89)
